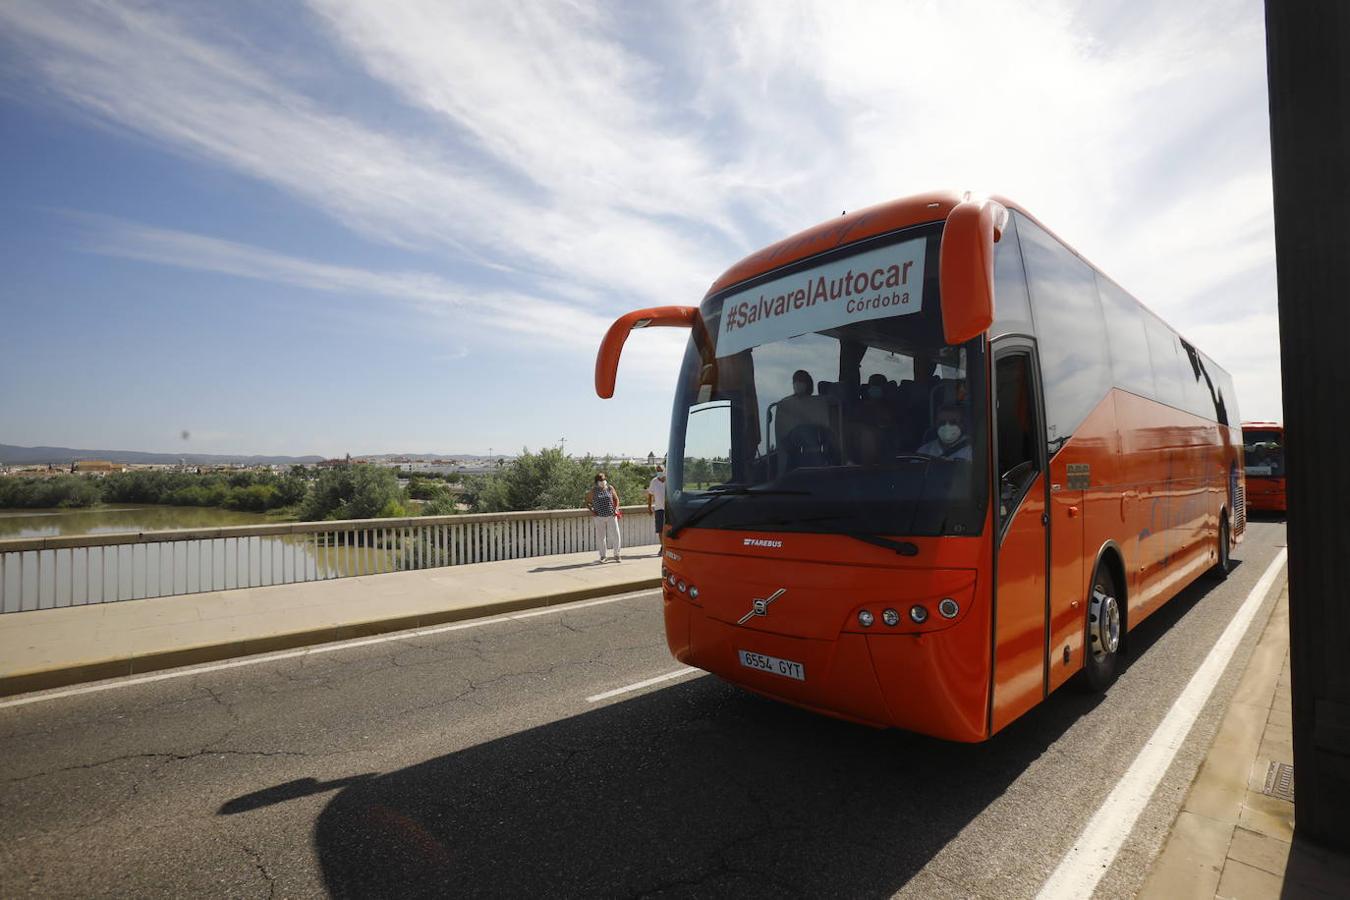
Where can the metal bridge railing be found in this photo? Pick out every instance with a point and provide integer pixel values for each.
(54, 572)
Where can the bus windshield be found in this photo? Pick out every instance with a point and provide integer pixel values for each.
(1264, 451)
(824, 399)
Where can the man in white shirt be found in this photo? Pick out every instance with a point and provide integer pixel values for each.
(656, 503)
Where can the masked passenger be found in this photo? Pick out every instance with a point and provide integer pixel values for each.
(951, 441)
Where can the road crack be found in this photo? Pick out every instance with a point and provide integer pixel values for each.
(256, 858)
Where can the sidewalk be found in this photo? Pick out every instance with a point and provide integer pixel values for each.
(57, 647)
(1234, 836)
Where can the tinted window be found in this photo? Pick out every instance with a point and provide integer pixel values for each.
(1162, 351)
(864, 422)
(1129, 345)
(1069, 329)
(1016, 421)
(1223, 384)
(1012, 306)
(1263, 452)
(1195, 382)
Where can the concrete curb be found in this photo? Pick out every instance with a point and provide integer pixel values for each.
(1220, 805)
(65, 676)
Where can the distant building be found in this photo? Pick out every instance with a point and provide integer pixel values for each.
(100, 466)
(335, 463)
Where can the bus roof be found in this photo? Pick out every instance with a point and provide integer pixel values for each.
(892, 215)
(853, 226)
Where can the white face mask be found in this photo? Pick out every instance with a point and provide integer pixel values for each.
(601, 483)
(949, 433)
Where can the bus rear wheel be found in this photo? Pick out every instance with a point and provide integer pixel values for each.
(1222, 563)
(1104, 633)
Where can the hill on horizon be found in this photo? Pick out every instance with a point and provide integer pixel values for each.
(13, 455)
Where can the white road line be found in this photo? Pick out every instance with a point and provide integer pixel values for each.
(678, 673)
(1096, 847)
(312, 651)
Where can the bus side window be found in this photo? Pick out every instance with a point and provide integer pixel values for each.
(1017, 435)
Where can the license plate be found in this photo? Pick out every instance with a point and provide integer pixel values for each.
(773, 665)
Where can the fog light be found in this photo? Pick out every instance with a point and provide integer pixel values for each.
(693, 592)
(865, 618)
(890, 617)
(948, 608)
(918, 614)
(682, 586)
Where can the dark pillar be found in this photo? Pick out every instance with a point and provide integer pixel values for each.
(1307, 44)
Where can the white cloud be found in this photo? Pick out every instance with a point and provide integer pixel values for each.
(497, 317)
(548, 91)
(144, 71)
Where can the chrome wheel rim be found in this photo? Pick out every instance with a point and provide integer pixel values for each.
(1103, 624)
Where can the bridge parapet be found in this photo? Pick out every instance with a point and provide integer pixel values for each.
(75, 570)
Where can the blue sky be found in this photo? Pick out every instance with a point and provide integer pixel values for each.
(332, 226)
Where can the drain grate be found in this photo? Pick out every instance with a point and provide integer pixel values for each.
(1280, 781)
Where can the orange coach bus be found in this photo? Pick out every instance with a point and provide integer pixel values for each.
(926, 463)
(1263, 446)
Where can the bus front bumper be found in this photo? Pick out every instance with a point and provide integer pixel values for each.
(935, 684)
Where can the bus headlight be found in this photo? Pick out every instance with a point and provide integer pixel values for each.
(948, 608)
(890, 617)
(693, 592)
(918, 614)
(865, 618)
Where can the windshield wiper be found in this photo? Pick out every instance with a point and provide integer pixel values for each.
(724, 496)
(903, 548)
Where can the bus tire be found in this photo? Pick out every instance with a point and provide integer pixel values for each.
(1103, 647)
(1222, 564)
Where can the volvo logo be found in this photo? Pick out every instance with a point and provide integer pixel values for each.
(760, 607)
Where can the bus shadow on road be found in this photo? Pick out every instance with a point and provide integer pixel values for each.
(698, 789)
(694, 789)
(1151, 630)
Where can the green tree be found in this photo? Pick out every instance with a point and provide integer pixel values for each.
(61, 491)
(550, 479)
(354, 492)
(441, 506)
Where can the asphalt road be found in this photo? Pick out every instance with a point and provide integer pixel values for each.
(471, 762)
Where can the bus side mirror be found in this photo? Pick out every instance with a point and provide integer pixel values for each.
(966, 268)
(607, 360)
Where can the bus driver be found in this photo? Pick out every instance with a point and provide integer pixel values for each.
(801, 407)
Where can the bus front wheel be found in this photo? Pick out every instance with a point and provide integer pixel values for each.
(1104, 632)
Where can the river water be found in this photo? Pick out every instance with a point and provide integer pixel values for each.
(29, 523)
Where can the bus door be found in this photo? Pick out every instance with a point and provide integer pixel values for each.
(1022, 553)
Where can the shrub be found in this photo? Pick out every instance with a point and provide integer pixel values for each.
(353, 492)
